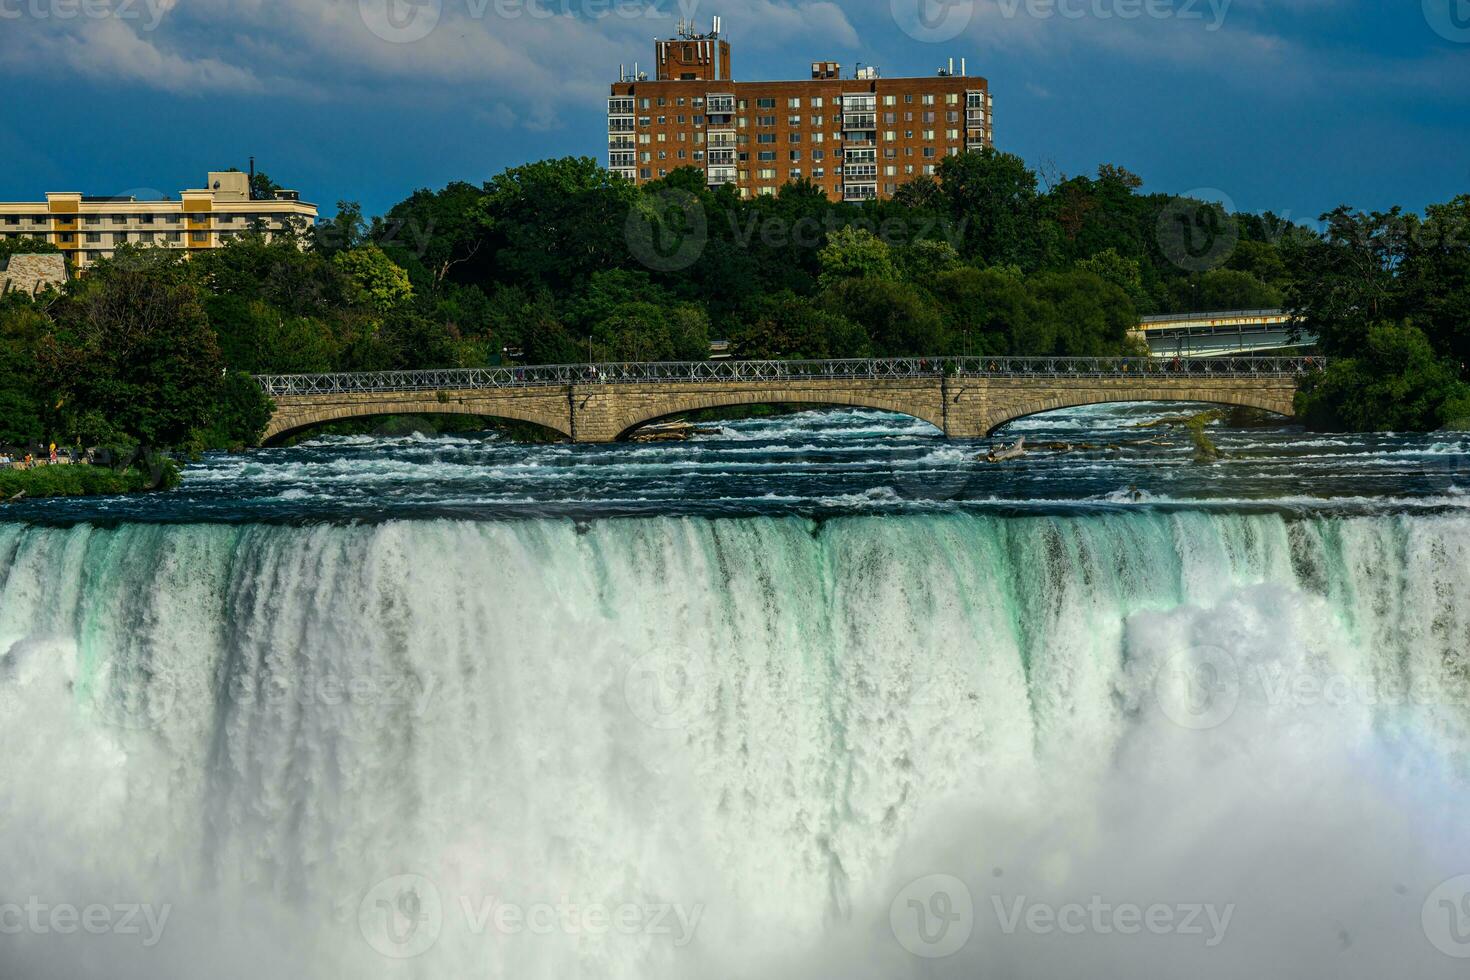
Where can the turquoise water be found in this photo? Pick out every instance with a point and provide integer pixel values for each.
(371, 732)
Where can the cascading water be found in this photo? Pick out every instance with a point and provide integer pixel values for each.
(936, 745)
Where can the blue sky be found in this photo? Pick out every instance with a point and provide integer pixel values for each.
(1288, 105)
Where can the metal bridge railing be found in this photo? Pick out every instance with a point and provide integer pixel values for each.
(713, 372)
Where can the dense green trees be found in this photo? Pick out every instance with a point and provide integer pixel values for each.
(560, 261)
(1388, 295)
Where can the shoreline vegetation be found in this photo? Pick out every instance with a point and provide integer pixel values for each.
(560, 261)
(86, 480)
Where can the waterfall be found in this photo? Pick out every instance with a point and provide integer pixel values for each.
(683, 747)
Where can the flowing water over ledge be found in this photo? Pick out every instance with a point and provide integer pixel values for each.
(898, 735)
(815, 463)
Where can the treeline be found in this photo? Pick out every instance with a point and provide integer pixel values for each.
(559, 261)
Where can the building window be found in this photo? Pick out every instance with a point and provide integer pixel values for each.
(793, 137)
(765, 137)
(795, 156)
(890, 100)
(93, 237)
(765, 103)
(766, 156)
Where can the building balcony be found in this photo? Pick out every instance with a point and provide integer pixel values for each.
(620, 124)
(620, 107)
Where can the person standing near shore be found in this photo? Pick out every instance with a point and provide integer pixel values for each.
(53, 454)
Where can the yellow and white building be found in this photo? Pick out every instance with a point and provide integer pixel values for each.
(86, 229)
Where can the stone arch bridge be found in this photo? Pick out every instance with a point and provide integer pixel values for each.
(965, 398)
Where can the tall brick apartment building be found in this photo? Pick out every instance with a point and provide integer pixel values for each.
(857, 138)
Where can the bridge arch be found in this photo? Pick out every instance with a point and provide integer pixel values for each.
(1267, 401)
(682, 404)
(289, 421)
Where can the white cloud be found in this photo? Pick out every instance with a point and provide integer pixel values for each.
(521, 59)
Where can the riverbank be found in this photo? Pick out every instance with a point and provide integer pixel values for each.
(85, 481)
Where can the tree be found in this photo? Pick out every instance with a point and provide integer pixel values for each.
(372, 278)
(1345, 280)
(438, 235)
(1091, 317)
(558, 221)
(787, 325)
(898, 319)
(133, 345)
(855, 253)
(241, 413)
(992, 198)
(1395, 383)
(1122, 272)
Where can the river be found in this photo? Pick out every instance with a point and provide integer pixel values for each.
(819, 695)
